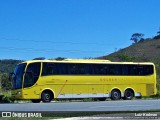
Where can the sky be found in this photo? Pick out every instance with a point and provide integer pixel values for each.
(73, 28)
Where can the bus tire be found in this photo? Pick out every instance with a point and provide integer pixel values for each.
(47, 96)
(36, 100)
(128, 94)
(101, 99)
(115, 94)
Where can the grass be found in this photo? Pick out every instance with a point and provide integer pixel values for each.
(5, 97)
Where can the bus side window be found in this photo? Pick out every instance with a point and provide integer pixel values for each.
(140, 70)
(81, 69)
(88, 69)
(96, 69)
(148, 69)
(44, 70)
(51, 69)
(71, 69)
(104, 70)
(115, 70)
(34, 68)
(132, 70)
(61, 68)
(125, 70)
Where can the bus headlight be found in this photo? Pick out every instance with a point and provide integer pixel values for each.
(18, 93)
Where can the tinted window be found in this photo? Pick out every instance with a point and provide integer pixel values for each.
(125, 69)
(50, 69)
(62, 69)
(132, 70)
(99, 69)
(32, 74)
(76, 69)
(148, 69)
(115, 70)
(137, 70)
(95, 69)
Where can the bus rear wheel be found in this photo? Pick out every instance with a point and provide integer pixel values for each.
(128, 95)
(36, 100)
(115, 94)
(47, 96)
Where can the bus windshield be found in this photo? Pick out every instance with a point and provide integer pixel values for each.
(18, 76)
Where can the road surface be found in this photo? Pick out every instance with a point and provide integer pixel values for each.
(124, 105)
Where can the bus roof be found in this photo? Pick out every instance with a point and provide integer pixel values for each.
(88, 61)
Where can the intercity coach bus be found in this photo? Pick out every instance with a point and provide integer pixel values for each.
(45, 80)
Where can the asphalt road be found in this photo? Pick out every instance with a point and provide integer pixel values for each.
(130, 105)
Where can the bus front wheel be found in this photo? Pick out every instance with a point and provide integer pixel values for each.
(47, 96)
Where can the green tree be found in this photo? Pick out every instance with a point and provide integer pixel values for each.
(39, 58)
(5, 82)
(7, 66)
(60, 58)
(158, 35)
(158, 32)
(136, 37)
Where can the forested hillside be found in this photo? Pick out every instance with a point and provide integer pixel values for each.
(7, 66)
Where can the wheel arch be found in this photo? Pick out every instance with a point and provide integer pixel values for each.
(47, 89)
(131, 89)
(116, 88)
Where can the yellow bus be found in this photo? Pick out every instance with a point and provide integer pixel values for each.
(45, 80)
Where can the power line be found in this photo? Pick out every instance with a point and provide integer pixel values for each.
(49, 50)
(46, 41)
(72, 43)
